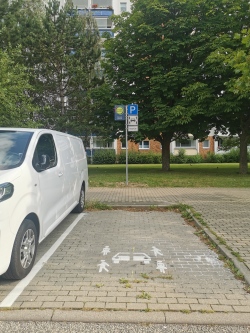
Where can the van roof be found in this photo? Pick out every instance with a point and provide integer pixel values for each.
(32, 130)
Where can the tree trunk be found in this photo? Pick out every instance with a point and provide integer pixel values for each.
(243, 152)
(165, 152)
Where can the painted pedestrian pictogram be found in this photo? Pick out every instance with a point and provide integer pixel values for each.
(156, 251)
(103, 265)
(105, 250)
(161, 266)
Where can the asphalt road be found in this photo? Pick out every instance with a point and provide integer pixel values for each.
(42, 327)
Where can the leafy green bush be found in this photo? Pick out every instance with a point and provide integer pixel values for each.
(139, 158)
(232, 156)
(192, 159)
(104, 156)
(210, 157)
(181, 158)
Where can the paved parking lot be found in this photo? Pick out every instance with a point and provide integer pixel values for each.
(128, 260)
(130, 266)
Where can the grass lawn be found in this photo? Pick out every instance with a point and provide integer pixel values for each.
(181, 175)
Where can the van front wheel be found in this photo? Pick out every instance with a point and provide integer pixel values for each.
(81, 203)
(23, 252)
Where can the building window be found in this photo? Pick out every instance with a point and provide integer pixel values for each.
(144, 145)
(123, 144)
(185, 143)
(104, 23)
(123, 6)
(206, 144)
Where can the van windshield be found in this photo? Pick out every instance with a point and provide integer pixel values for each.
(13, 147)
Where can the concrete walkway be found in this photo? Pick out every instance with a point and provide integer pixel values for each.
(226, 211)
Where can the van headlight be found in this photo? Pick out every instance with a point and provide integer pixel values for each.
(6, 191)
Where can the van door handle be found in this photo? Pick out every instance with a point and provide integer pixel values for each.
(60, 174)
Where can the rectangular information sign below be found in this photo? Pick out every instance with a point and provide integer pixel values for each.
(133, 128)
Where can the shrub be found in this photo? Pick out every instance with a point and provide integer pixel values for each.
(210, 157)
(232, 156)
(180, 158)
(194, 159)
(139, 158)
(104, 156)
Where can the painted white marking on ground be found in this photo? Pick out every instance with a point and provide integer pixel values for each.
(103, 265)
(106, 250)
(161, 266)
(16, 292)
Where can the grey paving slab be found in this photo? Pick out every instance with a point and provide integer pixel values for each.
(226, 211)
(152, 261)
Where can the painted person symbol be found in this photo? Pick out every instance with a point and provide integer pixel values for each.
(161, 266)
(105, 250)
(156, 251)
(103, 265)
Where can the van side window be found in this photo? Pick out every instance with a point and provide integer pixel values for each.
(45, 156)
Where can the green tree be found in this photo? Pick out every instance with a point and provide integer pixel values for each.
(65, 53)
(159, 51)
(224, 89)
(16, 109)
(239, 85)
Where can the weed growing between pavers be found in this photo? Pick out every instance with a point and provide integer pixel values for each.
(144, 295)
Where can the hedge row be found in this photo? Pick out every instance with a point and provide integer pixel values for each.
(108, 156)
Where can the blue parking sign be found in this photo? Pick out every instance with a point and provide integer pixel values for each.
(133, 110)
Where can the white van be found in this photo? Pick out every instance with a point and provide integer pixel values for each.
(43, 177)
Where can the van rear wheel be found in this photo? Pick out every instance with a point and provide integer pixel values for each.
(23, 252)
(81, 203)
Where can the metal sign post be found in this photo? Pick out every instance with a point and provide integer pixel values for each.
(126, 135)
(129, 113)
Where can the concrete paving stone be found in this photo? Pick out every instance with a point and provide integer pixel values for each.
(95, 305)
(44, 298)
(65, 298)
(201, 307)
(158, 307)
(49, 305)
(223, 308)
(126, 299)
(208, 301)
(167, 300)
(70, 287)
(247, 302)
(120, 306)
(26, 304)
(236, 296)
(179, 307)
(136, 306)
(86, 299)
(77, 292)
(242, 308)
(73, 305)
(188, 300)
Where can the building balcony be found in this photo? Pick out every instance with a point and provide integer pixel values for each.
(98, 12)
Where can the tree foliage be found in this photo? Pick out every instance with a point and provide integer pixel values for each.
(16, 109)
(158, 60)
(59, 49)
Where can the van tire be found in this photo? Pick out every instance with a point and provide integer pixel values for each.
(81, 203)
(23, 252)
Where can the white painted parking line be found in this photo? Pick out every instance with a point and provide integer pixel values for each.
(16, 292)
